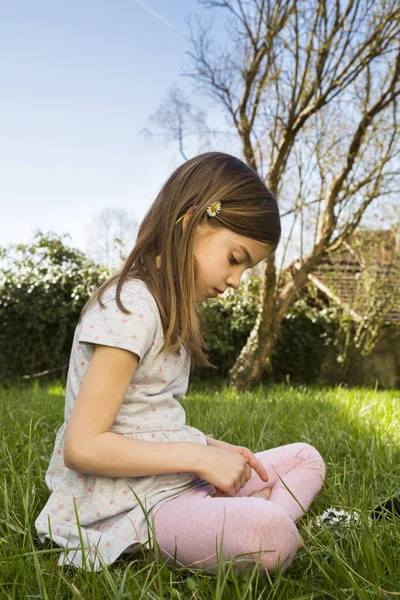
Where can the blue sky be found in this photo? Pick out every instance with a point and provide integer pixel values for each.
(79, 80)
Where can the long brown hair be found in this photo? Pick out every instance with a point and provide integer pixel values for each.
(248, 208)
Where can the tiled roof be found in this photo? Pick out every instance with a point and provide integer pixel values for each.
(339, 274)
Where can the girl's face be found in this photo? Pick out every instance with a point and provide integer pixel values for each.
(222, 257)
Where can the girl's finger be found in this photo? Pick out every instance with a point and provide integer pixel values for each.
(257, 465)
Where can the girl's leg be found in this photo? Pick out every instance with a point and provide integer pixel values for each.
(191, 524)
(296, 467)
(195, 527)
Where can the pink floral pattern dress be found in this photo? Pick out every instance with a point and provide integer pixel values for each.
(111, 520)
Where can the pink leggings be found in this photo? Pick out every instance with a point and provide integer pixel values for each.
(190, 526)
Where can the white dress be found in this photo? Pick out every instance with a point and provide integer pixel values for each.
(111, 519)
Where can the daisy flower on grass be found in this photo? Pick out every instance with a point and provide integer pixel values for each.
(339, 518)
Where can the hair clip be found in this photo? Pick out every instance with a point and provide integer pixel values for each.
(212, 210)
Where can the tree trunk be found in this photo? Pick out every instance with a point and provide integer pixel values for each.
(255, 355)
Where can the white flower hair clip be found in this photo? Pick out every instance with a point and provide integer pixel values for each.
(214, 208)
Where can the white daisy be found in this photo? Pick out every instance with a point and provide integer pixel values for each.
(332, 516)
(214, 208)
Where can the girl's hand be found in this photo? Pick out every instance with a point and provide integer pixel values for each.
(247, 454)
(227, 471)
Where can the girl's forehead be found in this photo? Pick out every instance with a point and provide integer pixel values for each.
(255, 251)
(231, 236)
(236, 238)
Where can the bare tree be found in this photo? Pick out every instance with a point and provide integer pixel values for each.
(311, 89)
(111, 234)
(177, 121)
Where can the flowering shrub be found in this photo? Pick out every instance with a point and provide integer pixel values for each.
(43, 287)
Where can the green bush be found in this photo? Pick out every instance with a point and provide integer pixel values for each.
(230, 319)
(307, 333)
(308, 330)
(43, 288)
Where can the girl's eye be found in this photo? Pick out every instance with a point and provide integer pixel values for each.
(233, 260)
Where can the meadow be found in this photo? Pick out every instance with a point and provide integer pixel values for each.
(357, 431)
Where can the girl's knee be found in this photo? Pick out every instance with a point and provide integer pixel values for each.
(273, 539)
(312, 457)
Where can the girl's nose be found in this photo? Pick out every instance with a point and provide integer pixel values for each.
(233, 282)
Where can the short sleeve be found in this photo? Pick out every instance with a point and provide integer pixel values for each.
(110, 326)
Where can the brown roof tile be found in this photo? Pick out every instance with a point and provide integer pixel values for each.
(339, 273)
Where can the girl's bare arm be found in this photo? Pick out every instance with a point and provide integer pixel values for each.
(90, 446)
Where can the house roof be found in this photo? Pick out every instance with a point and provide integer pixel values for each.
(365, 268)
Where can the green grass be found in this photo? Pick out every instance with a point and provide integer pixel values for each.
(357, 432)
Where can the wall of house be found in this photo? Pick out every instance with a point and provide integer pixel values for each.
(383, 364)
(381, 367)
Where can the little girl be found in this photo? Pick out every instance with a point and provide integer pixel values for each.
(124, 454)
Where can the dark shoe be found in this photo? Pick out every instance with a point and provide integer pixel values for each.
(388, 509)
